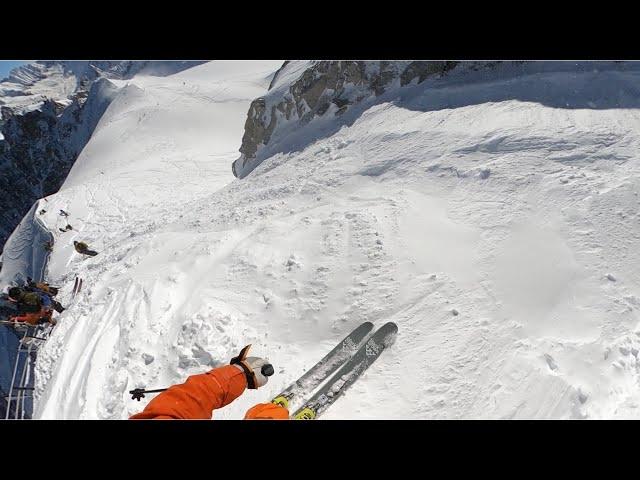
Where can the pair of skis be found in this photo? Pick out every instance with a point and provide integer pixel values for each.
(77, 285)
(352, 356)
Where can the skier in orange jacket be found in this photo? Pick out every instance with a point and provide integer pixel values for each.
(200, 395)
(36, 318)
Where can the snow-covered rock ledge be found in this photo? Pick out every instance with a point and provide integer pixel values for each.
(308, 100)
(302, 90)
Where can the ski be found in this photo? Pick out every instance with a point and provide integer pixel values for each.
(75, 287)
(35, 337)
(325, 367)
(349, 373)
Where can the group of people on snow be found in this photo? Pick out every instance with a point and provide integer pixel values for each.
(34, 303)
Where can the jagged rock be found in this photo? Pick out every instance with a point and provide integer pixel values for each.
(303, 90)
(423, 70)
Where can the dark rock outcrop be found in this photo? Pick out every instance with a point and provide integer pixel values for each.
(40, 147)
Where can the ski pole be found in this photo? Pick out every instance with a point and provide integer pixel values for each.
(33, 336)
(138, 393)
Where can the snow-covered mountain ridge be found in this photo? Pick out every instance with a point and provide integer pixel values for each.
(48, 113)
(329, 94)
(302, 90)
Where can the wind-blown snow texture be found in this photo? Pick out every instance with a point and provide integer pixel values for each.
(493, 217)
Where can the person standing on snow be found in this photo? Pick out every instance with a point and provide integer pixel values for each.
(200, 395)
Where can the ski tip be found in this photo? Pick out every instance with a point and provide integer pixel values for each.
(390, 331)
(389, 326)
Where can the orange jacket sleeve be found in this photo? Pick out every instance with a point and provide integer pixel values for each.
(198, 397)
(30, 318)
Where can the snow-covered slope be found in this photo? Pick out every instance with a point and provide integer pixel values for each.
(303, 90)
(48, 111)
(161, 144)
(493, 217)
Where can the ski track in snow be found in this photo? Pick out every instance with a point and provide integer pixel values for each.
(486, 232)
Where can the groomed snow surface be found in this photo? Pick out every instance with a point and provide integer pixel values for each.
(497, 227)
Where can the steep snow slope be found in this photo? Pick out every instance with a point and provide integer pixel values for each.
(496, 222)
(162, 142)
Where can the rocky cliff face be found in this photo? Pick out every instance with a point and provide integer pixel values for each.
(29, 85)
(304, 90)
(40, 146)
(48, 111)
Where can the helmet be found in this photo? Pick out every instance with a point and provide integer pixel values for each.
(15, 292)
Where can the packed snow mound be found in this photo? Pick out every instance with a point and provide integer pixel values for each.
(24, 255)
(494, 220)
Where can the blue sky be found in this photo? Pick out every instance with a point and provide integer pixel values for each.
(8, 65)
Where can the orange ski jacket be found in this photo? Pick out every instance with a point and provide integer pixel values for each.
(32, 318)
(200, 395)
